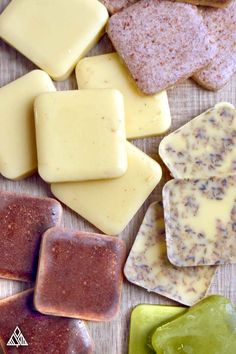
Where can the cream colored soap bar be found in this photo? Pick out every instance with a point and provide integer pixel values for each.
(54, 34)
(111, 204)
(145, 115)
(80, 135)
(204, 147)
(149, 267)
(18, 157)
(200, 218)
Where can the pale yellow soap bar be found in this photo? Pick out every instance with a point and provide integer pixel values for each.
(18, 157)
(200, 220)
(205, 146)
(80, 135)
(54, 34)
(149, 267)
(111, 204)
(145, 115)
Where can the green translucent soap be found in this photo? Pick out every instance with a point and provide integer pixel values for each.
(144, 321)
(208, 327)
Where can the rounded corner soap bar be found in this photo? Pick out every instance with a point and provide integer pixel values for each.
(18, 156)
(87, 268)
(53, 34)
(40, 334)
(80, 135)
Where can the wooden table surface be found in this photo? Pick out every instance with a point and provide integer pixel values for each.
(186, 101)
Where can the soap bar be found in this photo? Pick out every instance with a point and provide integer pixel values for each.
(200, 219)
(43, 334)
(144, 321)
(53, 34)
(17, 134)
(88, 272)
(149, 37)
(221, 24)
(24, 218)
(111, 204)
(80, 135)
(117, 5)
(204, 147)
(144, 115)
(207, 327)
(149, 267)
(209, 3)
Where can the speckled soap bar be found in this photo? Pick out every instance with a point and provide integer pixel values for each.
(117, 5)
(149, 37)
(149, 267)
(221, 24)
(200, 219)
(79, 275)
(43, 334)
(204, 147)
(24, 218)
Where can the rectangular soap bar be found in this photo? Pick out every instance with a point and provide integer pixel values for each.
(18, 157)
(200, 217)
(208, 327)
(88, 272)
(53, 34)
(80, 135)
(144, 115)
(204, 147)
(24, 218)
(144, 321)
(148, 266)
(43, 334)
(111, 204)
(149, 37)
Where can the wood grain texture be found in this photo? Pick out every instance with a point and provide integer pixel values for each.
(186, 101)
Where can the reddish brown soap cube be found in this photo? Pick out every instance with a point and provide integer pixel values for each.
(41, 334)
(79, 275)
(23, 220)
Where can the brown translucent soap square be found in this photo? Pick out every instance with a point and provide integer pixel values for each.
(24, 219)
(79, 275)
(39, 334)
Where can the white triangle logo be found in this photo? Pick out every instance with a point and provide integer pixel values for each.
(17, 339)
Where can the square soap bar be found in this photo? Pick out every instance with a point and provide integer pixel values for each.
(207, 327)
(24, 219)
(221, 24)
(111, 204)
(53, 34)
(88, 272)
(204, 147)
(17, 134)
(149, 267)
(43, 334)
(144, 321)
(80, 135)
(149, 37)
(200, 219)
(144, 115)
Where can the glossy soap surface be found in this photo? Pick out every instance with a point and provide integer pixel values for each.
(80, 135)
(44, 334)
(207, 328)
(110, 204)
(145, 115)
(80, 275)
(24, 219)
(144, 320)
(54, 34)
